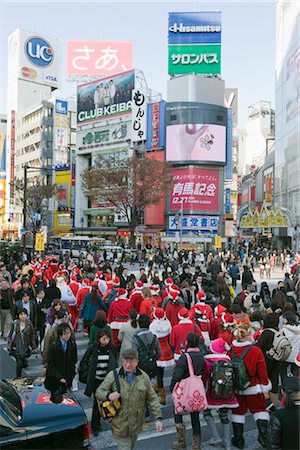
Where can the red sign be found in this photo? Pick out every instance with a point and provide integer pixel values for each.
(155, 126)
(44, 399)
(123, 233)
(195, 189)
(98, 58)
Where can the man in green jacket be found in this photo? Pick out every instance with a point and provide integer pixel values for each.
(136, 393)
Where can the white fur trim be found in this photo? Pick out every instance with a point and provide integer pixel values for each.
(236, 343)
(177, 356)
(225, 405)
(185, 320)
(257, 389)
(262, 415)
(169, 363)
(237, 418)
(116, 325)
(215, 356)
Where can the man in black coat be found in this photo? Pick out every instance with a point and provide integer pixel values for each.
(29, 305)
(62, 356)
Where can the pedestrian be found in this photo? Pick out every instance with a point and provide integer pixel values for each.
(52, 311)
(51, 333)
(136, 394)
(118, 313)
(24, 286)
(127, 331)
(174, 305)
(181, 371)
(180, 332)
(92, 303)
(247, 277)
(147, 345)
(6, 307)
(62, 356)
(234, 272)
(99, 323)
(253, 397)
(42, 304)
(161, 328)
(148, 304)
(29, 305)
(21, 340)
(98, 360)
(291, 329)
(282, 431)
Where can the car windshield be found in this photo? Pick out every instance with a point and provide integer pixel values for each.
(9, 399)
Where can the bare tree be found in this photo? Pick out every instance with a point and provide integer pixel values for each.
(130, 184)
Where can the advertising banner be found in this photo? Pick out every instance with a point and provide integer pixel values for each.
(139, 115)
(12, 153)
(269, 188)
(227, 201)
(98, 58)
(2, 153)
(195, 112)
(195, 189)
(195, 27)
(155, 214)
(62, 182)
(39, 242)
(204, 223)
(105, 98)
(202, 59)
(103, 135)
(156, 125)
(196, 142)
(34, 58)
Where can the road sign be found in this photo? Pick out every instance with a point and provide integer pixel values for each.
(39, 242)
(218, 242)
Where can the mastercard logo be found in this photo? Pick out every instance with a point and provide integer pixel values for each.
(28, 73)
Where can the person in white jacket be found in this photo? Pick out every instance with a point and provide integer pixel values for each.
(291, 329)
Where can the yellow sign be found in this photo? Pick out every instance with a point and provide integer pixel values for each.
(265, 218)
(218, 242)
(39, 242)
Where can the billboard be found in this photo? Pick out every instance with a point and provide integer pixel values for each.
(195, 189)
(34, 58)
(156, 125)
(62, 182)
(139, 115)
(105, 98)
(199, 142)
(98, 136)
(195, 112)
(194, 27)
(155, 214)
(201, 59)
(98, 58)
(203, 223)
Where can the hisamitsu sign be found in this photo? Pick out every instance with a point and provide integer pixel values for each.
(195, 27)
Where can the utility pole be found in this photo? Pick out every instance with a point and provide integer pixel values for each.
(25, 205)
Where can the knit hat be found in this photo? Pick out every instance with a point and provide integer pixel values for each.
(201, 295)
(219, 346)
(228, 320)
(297, 360)
(138, 285)
(183, 313)
(219, 310)
(159, 313)
(168, 281)
(122, 294)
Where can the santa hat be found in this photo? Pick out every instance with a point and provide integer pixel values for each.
(154, 288)
(228, 320)
(159, 313)
(168, 281)
(110, 283)
(297, 360)
(174, 295)
(116, 281)
(74, 278)
(122, 294)
(107, 277)
(99, 274)
(86, 282)
(201, 311)
(38, 273)
(94, 283)
(174, 288)
(62, 267)
(183, 314)
(33, 262)
(76, 270)
(201, 295)
(138, 285)
(219, 346)
(219, 310)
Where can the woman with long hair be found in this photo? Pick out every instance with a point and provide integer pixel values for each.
(51, 312)
(92, 302)
(181, 371)
(265, 294)
(127, 331)
(99, 323)
(149, 304)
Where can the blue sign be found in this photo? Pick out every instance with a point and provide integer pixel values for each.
(229, 143)
(61, 107)
(227, 201)
(202, 223)
(195, 27)
(39, 52)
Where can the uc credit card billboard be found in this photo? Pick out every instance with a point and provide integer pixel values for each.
(105, 98)
(196, 189)
(194, 27)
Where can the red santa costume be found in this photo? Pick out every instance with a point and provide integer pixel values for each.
(168, 283)
(136, 296)
(202, 314)
(155, 288)
(252, 398)
(216, 323)
(39, 277)
(180, 332)
(62, 269)
(82, 292)
(118, 313)
(162, 328)
(173, 308)
(74, 285)
(111, 284)
(53, 266)
(227, 327)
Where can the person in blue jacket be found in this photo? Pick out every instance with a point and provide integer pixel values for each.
(92, 303)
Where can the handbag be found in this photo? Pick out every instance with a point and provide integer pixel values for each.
(107, 408)
(189, 393)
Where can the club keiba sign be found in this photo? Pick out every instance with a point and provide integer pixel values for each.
(105, 98)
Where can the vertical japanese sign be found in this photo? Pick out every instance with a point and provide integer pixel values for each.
(227, 201)
(98, 58)
(269, 188)
(156, 125)
(139, 115)
(197, 190)
(12, 153)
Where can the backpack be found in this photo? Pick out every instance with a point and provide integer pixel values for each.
(111, 297)
(241, 380)
(222, 380)
(147, 357)
(281, 346)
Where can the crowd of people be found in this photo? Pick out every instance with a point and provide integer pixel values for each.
(243, 342)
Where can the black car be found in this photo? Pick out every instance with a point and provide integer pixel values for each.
(28, 418)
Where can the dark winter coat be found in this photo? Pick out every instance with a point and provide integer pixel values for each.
(282, 429)
(14, 338)
(181, 370)
(88, 365)
(33, 311)
(62, 364)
